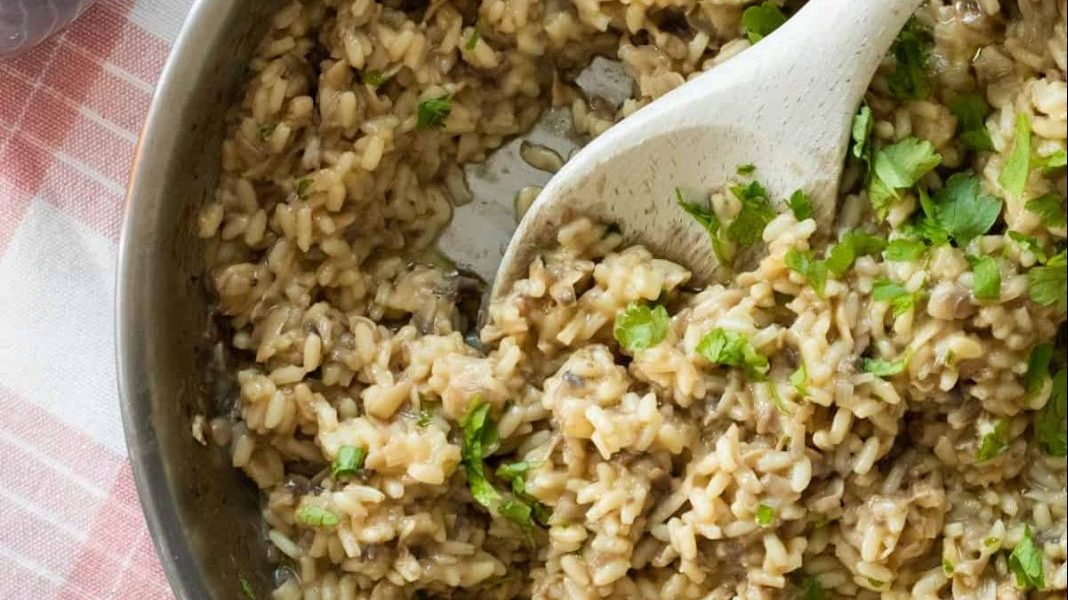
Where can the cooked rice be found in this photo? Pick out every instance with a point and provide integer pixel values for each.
(655, 463)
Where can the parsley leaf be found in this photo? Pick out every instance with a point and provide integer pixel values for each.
(811, 589)
(899, 166)
(909, 79)
(1037, 367)
(349, 460)
(885, 368)
(432, 112)
(900, 299)
(814, 271)
(1056, 160)
(986, 278)
(746, 169)
(1047, 283)
(902, 164)
(472, 40)
(904, 250)
(963, 211)
(316, 516)
(374, 78)
(799, 379)
(760, 20)
(480, 438)
(947, 567)
(765, 515)
(1049, 208)
(1013, 177)
(303, 186)
(707, 219)
(800, 205)
(755, 214)
(993, 443)
(971, 111)
(852, 245)
(1051, 421)
(515, 473)
(266, 131)
(426, 416)
(1029, 244)
(1026, 562)
(639, 327)
(247, 589)
(732, 349)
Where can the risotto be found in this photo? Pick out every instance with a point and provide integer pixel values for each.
(874, 409)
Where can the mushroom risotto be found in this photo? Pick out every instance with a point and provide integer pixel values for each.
(874, 408)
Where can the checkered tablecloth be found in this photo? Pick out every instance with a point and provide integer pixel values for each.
(70, 112)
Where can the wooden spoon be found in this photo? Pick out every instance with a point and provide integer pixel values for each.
(785, 105)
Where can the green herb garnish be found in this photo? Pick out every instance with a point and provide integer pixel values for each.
(1025, 562)
(349, 460)
(971, 110)
(746, 169)
(901, 300)
(885, 368)
(480, 438)
(986, 278)
(760, 20)
(899, 166)
(904, 250)
(303, 186)
(732, 349)
(432, 112)
(1051, 421)
(911, 48)
(963, 211)
(1049, 208)
(639, 327)
(316, 516)
(1013, 177)
(755, 214)
(993, 443)
(800, 205)
(1047, 283)
(814, 271)
(472, 40)
(765, 515)
(707, 219)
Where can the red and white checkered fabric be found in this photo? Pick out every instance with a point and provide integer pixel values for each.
(70, 111)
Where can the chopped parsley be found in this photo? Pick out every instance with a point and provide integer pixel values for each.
(1029, 244)
(266, 131)
(432, 112)
(810, 588)
(1025, 562)
(755, 214)
(480, 438)
(639, 327)
(904, 250)
(993, 443)
(853, 244)
(800, 205)
(707, 219)
(814, 271)
(909, 80)
(746, 169)
(349, 460)
(303, 186)
(515, 473)
(316, 516)
(425, 417)
(374, 78)
(899, 166)
(947, 567)
(885, 368)
(901, 300)
(1049, 208)
(765, 515)
(732, 349)
(1056, 160)
(1047, 283)
(472, 40)
(761, 19)
(1013, 177)
(247, 589)
(986, 278)
(963, 211)
(1051, 421)
(971, 110)
(799, 380)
